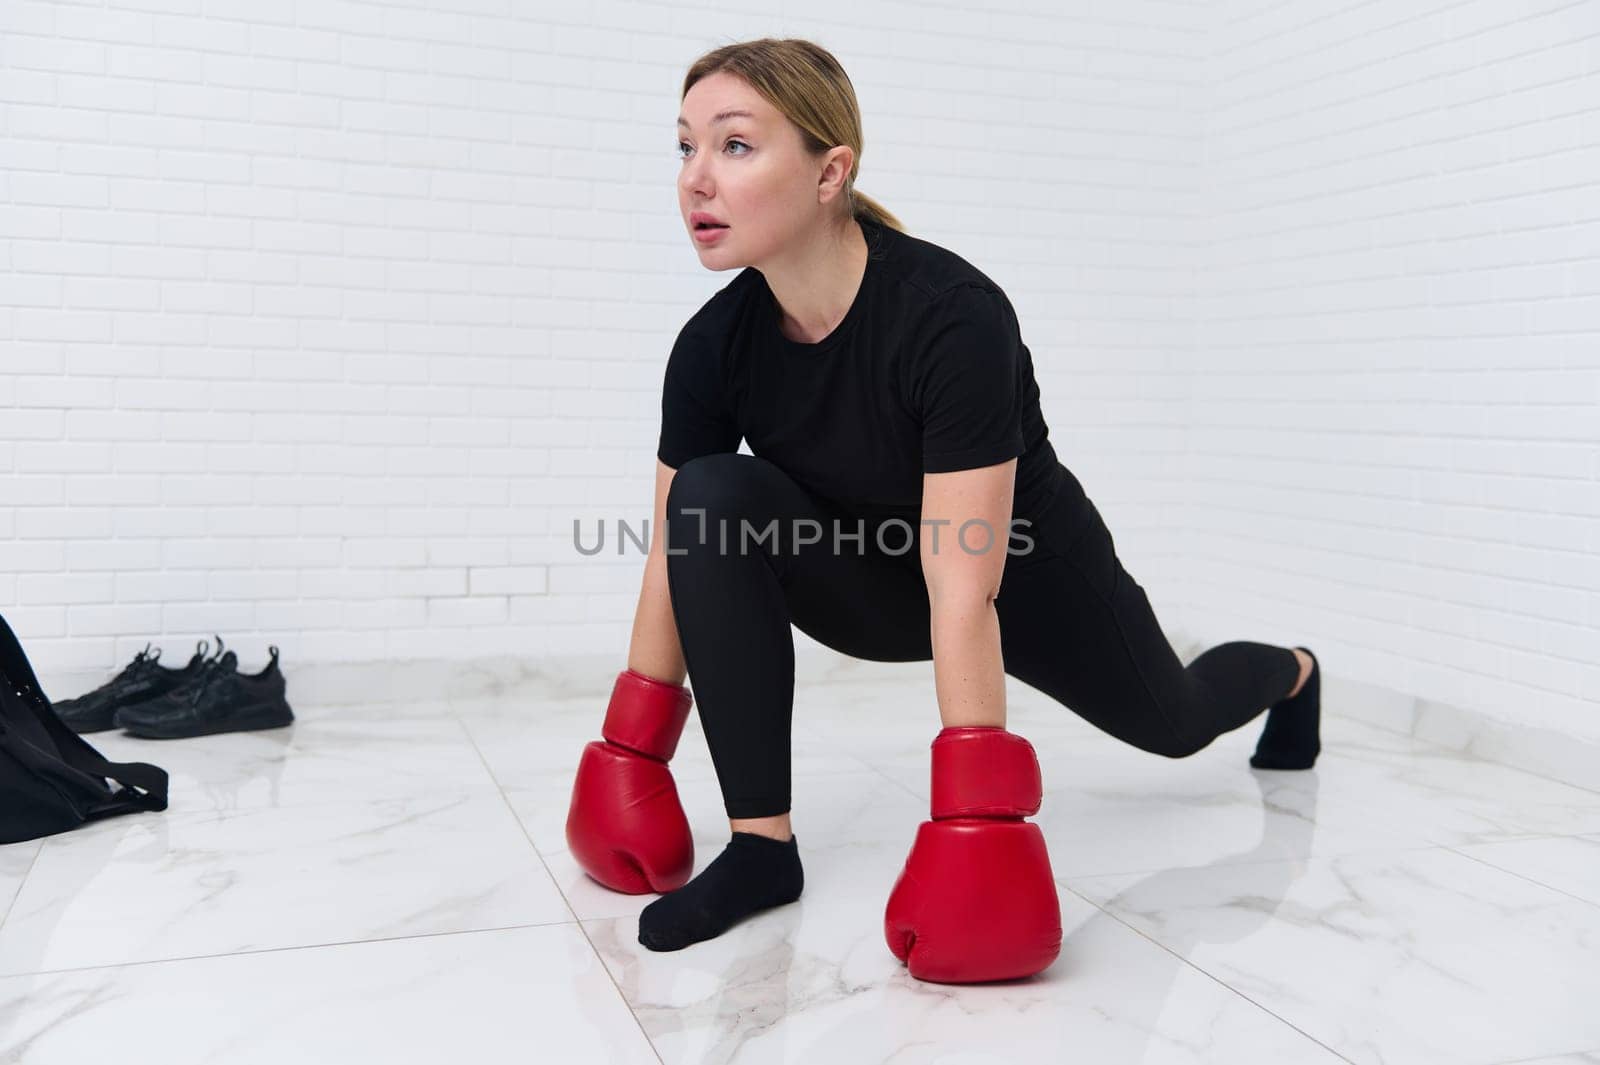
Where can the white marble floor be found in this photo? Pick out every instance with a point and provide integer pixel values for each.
(390, 884)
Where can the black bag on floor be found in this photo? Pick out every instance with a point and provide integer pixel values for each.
(51, 780)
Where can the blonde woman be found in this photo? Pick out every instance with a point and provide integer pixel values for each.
(902, 503)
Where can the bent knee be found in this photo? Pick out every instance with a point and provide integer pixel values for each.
(710, 481)
(716, 498)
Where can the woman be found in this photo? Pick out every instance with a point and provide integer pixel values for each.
(890, 403)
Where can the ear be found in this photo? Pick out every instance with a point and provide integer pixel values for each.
(836, 166)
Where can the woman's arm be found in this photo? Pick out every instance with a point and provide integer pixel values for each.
(654, 649)
(969, 671)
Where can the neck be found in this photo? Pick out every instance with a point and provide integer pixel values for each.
(815, 282)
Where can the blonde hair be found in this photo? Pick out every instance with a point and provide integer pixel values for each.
(806, 83)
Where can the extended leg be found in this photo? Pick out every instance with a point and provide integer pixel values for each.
(1080, 628)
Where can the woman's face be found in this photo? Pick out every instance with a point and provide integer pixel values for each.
(748, 171)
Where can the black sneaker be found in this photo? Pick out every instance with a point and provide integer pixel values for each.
(222, 700)
(141, 680)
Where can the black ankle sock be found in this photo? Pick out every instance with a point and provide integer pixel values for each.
(752, 873)
(1292, 736)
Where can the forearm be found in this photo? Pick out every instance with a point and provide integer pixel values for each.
(654, 649)
(968, 668)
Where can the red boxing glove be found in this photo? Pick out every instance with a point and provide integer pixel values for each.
(976, 900)
(625, 826)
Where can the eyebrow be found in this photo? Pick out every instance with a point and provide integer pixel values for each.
(720, 116)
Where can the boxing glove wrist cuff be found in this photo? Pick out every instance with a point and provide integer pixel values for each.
(646, 715)
(984, 772)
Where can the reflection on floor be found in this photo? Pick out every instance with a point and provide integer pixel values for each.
(391, 884)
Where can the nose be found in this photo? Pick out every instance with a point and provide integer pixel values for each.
(692, 176)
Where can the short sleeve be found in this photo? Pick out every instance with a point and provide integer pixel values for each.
(695, 419)
(967, 381)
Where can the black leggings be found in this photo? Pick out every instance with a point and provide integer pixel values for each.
(1073, 623)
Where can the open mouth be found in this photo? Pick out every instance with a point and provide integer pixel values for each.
(709, 225)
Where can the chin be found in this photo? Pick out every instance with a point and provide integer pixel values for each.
(716, 260)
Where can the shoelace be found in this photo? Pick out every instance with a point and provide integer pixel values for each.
(136, 669)
(209, 673)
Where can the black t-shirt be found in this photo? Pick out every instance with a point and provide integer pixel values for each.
(927, 373)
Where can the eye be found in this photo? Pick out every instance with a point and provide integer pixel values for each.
(682, 145)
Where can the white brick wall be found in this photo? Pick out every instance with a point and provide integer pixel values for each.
(320, 324)
(1395, 409)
